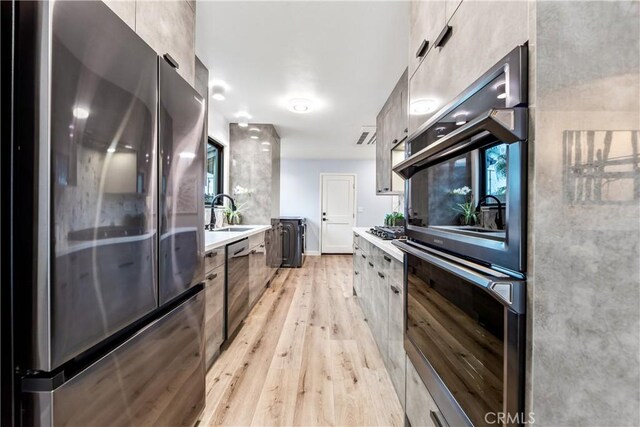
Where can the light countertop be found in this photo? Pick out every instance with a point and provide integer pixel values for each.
(385, 245)
(216, 239)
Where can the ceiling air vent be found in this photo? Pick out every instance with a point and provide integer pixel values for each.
(367, 136)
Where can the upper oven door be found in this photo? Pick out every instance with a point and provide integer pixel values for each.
(466, 171)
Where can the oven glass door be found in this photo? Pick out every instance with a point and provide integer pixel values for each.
(458, 328)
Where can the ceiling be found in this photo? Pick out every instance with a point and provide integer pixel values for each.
(344, 56)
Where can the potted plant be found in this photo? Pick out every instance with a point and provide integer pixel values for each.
(394, 219)
(233, 217)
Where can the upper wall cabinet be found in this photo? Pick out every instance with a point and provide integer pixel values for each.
(166, 26)
(481, 33)
(427, 18)
(391, 128)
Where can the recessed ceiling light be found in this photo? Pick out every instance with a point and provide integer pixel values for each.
(423, 106)
(128, 146)
(460, 122)
(254, 130)
(265, 149)
(503, 95)
(300, 105)
(111, 150)
(80, 112)
(254, 137)
(243, 117)
(265, 143)
(187, 155)
(243, 124)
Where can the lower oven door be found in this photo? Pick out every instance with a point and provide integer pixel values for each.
(465, 336)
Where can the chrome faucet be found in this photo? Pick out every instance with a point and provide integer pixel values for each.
(212, 222)
(499, 221)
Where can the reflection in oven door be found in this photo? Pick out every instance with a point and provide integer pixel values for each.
(464, 330)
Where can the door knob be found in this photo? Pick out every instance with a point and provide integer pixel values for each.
(324, 219)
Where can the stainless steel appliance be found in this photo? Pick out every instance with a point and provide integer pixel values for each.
(237, 291)
(181, 134)
(107, 236)
(466, 170)
(293, 241)
(387, 232)
(465, 334)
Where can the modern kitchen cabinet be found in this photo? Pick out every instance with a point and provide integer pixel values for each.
(427, 18)
(391, 128)
(259, 271)
(214, 262)
(420, 408)
(395, 340)
(214, 314)
(472, 48)
(378, 286)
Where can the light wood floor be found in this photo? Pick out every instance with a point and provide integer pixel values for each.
(304, 357)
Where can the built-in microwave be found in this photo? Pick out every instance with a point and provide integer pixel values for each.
(466, 170)
(465, 335)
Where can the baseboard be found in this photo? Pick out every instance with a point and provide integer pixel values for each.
(312, 253)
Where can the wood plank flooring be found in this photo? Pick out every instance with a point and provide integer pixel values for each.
(304, 357)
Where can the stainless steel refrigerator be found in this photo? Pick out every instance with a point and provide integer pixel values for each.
(107, 224)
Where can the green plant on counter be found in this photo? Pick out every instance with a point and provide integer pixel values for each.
(394, 219)
(234, 217)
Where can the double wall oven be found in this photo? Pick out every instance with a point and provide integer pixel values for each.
(465, 260)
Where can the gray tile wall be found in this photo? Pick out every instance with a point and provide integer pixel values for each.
(255, 167)
(585, 215)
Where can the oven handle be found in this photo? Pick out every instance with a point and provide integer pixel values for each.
(507, 124)
(510, 292)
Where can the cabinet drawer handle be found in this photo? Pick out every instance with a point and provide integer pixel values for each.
(370, 264)
(422, 49)
(386, 189)
(436, 419)
(212, 276)
(381, 275)
(386, 258)
(356, 273)
(238, 252)
(262, 246)
(395, 290)
(444, 36)
(211, 254)
(364, 256)
(394, 142)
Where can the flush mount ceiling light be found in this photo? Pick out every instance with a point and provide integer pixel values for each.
(423, 106)
(266, 143)
(218, 93)
(243, 119)
(300, 105)
(254, 137)
(254, 130)
(80, 112)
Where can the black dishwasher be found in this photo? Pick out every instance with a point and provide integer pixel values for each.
(237, 291)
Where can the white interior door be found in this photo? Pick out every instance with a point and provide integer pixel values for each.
(338, 213)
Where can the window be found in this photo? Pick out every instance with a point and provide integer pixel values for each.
(213, 183)
(494, 161)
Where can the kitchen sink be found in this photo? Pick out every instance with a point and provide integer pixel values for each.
(231, 230)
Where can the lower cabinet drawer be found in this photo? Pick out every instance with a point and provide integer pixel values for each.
(419, 404)
(214, 258)
(214, 314)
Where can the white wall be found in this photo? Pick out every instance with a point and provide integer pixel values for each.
(300, 193)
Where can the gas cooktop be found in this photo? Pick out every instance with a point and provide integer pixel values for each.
(387, 232)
